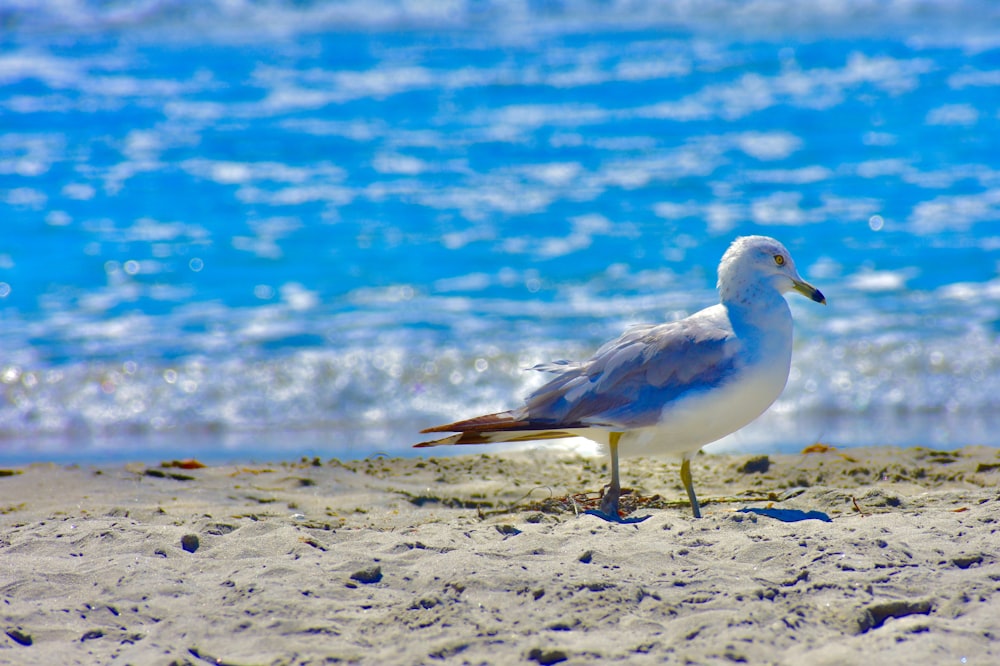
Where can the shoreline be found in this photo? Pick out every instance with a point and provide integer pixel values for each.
(421, 560)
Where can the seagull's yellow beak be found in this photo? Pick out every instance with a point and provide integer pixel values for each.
(809, 291)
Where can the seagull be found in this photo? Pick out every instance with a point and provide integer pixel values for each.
(667, 388)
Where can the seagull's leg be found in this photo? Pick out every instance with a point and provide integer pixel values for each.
(609, 503)
(689, 487)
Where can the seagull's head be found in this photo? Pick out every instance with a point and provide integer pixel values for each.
(757, 260)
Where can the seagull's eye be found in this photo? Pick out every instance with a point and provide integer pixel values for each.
(779, 259)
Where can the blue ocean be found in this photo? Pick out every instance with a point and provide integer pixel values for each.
(268, 229)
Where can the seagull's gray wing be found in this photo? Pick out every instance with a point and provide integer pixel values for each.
(629, 381)
(557, 367)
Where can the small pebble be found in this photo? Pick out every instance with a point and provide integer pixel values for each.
(19, 637)
(368, 576)
(756, 465)
(547, 657)
(189, 542)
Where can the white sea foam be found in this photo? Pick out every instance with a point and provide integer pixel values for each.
(955, 212)
(953, 114)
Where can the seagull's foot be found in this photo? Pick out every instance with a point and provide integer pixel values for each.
(614, 517)
(609, 508)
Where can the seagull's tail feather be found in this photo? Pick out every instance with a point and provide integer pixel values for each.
(495, 437)
(493, 428)
(498, 421)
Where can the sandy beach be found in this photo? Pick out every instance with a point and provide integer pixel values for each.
(484, 559)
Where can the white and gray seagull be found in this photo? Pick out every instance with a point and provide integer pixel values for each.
(668, 388)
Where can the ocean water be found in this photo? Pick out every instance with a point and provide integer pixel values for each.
(269, 229)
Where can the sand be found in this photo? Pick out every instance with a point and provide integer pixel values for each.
(420, 561)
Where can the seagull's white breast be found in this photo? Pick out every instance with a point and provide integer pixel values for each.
(691, 422)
